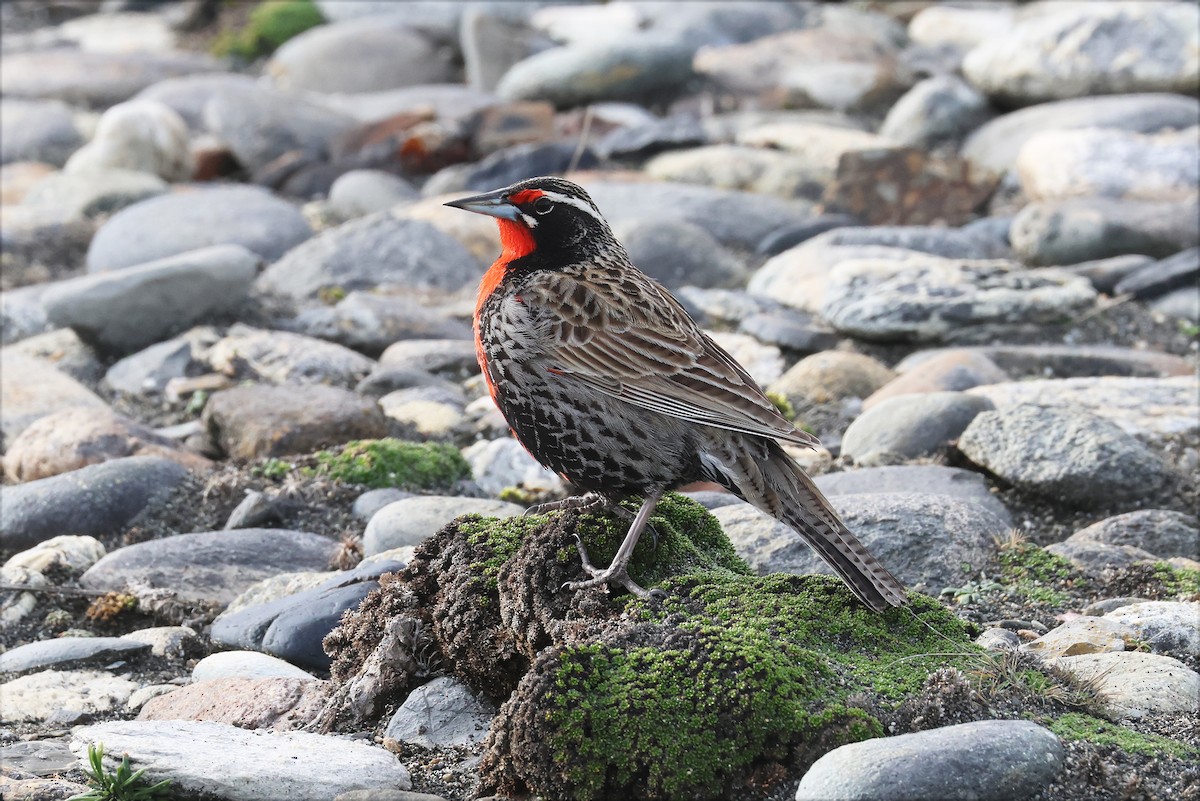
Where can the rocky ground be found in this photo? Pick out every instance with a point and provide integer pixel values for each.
(238, 399)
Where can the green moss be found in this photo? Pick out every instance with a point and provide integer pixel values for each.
(394, 463)
(272, 468)
(1036, 574)
(515, 495)
(1075, 726)
(782, 404)
(499, 538)
(270, 24)
(1177, 580)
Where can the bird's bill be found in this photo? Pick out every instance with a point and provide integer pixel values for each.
(493, 204)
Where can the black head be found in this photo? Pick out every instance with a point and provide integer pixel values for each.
(555, 216)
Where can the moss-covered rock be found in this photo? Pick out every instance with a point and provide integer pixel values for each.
(394, 463)
(1075, 726)
(270, 24)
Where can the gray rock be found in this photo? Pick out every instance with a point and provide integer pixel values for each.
(1183, 303)
(796, 234)
(366, 55)
(945, 370)
(177, 223)
(937, 111)
(930, 479)
(645, 139)
(500, 464)
(217, 759)
(210, 565)
(679, 253)
(925, 298)
(67, 553)
(450, 357)
(64, 696)
(411, 521)
(149, 370)
(93, 79)
(39, 757)
(37, 130)
(21, 314)
(360, 192)
(1070, 52)
(1162, 532)
(98, 500)
(1058, 361)
(1132, 684)
(172, 642)
(928, 541)
(448, 102)
(124, 310)
(995, 144)
(790, 329)
(961, 26)
(369, 322)
(634, 68)
(1094, 558)
(188, 94)
(1106, 273)
(94, 192)
(1168, 627)
(511, 164)
(908, 427)
(1175, 272)
(281, 357)
(67, 652)
(745, 168)
(494, 37)
(1154, 410)
(371, 501)
(40, 242)
(377, 250)
(245, 664)
(1067, 455)
(989, 760)
(261, 124)
(254, 421)
(998, 639)
(63, 348)
(443, 713)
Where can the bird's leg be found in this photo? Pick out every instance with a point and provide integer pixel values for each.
(588, 502)
(616, 573)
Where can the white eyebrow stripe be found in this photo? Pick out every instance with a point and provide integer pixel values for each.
(578, 203)
(531, 222)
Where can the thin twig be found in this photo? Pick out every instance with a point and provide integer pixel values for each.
(585, 128)
(4, 587)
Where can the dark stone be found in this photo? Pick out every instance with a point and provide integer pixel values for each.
(1161, 277)
(791, 329)
(65, 652)
(791, 235)
(643, 141)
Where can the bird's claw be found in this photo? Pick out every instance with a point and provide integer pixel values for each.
(610, 577)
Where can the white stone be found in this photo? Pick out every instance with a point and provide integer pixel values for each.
(41, 695)
(68, 551)
(501, 463)
(169, 641)
(1171, 627)
(764, 363)
(1133, 684)
(245, 664)
(217, 759)
(1081, 635)
(140, 135)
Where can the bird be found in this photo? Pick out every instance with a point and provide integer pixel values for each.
(606, 379)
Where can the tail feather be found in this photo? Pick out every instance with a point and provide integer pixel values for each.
(768, 478)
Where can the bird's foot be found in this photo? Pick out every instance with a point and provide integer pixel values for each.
(588, 502)
(614, 574)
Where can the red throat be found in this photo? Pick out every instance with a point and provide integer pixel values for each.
(516, 240)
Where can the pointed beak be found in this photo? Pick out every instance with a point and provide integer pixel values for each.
(493, 204)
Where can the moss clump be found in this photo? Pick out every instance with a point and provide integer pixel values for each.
(394, 463)
(782, 403)
(1036, 574)
(270, 24)
(1178, 580)
(1075, 726)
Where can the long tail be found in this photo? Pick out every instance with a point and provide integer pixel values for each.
(760, 472)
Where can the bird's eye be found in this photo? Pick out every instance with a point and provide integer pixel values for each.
(543, 205)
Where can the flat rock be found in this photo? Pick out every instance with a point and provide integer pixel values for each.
(97, 500)
(413, 520)
(150, 370)
(453, 358)
(253, 421)
(260, 124)
(185, 221)
(989, 760)
(281, 357)
(928, 541)
(1073, 230)
(1057, 361)
(931, 479)
(1095, 558)
(210, 565)
(636, 67)
(369, 322)
(124, 310)
(1065, 454)
(1153, 409)
(93, 79)
(1133, 685)
(947, 370)
(1069, 51)
(40, 757)
(1163, 532)
(926, 298)
(908, 427)
(1178, 272)
(273, 703)
(377, 250)
(63, 695)
(94, 192)
(37, 130)
(1081, 635)
(364, 55)
(67, 652)
(32, 388)
(239, 765)
(442, 713)
(1168, 627)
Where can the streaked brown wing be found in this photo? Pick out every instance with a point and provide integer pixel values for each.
(632, 340)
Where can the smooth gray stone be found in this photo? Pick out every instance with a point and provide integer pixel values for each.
(149, 370)
(122, 311)
(927, 478)
(369, 322)
(938, 110)
(1161, 277)
(906, 427)
(188, 94)
(211, 565)
(97, 500)
(1065, 454)
(37, 130)
(93, 79)
(1163, 532)
(413, 520)
(67, 652)
(680, 254)
(989, 760)
(371, 501)
(184, 221)
(442, 713)
(40, 757)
